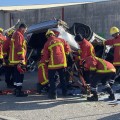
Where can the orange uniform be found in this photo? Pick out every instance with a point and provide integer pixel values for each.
(6, 47)
(17, 48)
(116, 44)
(99, 65)
(87, 49)
(2, 39)
(54, 53)
(42, 73)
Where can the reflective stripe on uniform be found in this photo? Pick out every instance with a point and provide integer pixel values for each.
(19, 53)
(43, 72)
(18, 84)
(13, 49)
(44, 76)
(116, 63)
(91, 50)
(52, 59)
(92, 68)
(105, 70)
(12, 61)
(41, 64)
(117, 44)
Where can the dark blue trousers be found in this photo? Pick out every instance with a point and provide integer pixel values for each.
(52, 80)
(18, 78)
(9, 75)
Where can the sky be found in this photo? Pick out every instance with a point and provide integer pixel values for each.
(33, 2)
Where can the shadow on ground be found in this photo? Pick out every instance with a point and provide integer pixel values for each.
(33, 102)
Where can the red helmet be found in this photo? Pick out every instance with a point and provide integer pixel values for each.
(21, 68)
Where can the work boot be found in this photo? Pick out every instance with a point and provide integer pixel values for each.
(14, 91)
(20, 93)
(112, 97)
(52, 96)
(39, 88)
(93, 98)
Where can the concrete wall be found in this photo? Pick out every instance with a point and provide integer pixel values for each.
(35, 16)
(2, 19)
(100, 16)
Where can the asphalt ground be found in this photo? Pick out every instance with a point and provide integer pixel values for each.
(39, 107)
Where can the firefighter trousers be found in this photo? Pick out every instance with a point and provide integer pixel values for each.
(9, 75)
(104, 78)
(18, 77)
(52, 80)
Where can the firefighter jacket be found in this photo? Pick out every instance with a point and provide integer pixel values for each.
(2, 39)
(116, 44)
(99, 65)
(18, 48)
(6, 47)
(42, 73)
(87, 49)
(54, 52)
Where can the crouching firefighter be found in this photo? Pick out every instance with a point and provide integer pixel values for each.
(17, 57)
(100, 70)
(42, 76)
(86, 50)
(9, 69)
(54, 53)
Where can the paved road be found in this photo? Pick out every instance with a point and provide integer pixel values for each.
(38, 107)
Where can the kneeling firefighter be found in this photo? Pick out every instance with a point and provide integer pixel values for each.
(42, 76)
(54, 53)
(17, 57)
(101, 70)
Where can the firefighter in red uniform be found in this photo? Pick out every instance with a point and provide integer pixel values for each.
(9, 69)
(54, 53)
(2, 39)
(86, 50)
(115, 42)
(17, 57)
(101, 70)
(42, 75)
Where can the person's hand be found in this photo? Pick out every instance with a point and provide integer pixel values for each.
(96, 42)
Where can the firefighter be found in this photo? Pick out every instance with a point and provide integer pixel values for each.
(54, 53)
(2, 39)
(42, 76)
(86, 50)
(115, 43)
(17, 57)
(9, 69)
(100, 70)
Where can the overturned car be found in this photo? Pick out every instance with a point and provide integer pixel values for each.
(36, 37)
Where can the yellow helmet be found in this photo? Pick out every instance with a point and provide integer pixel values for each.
(114, 30)
(10, 32)
(49, 32)
(1, 29)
